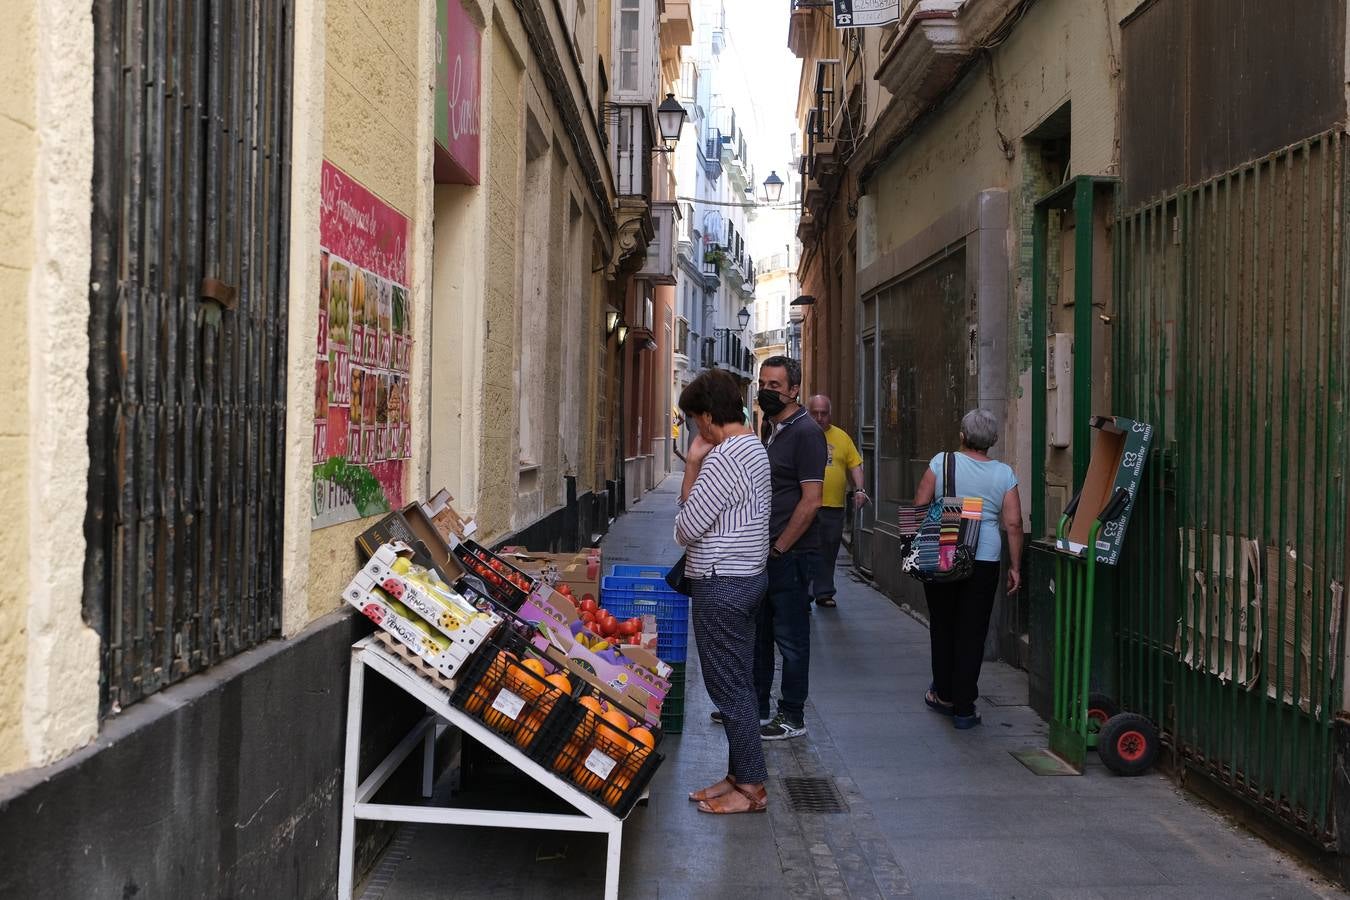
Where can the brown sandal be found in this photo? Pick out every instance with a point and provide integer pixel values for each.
(756, 802)
(712, 791)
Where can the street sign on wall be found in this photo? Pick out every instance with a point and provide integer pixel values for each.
(458, 91)
(864, 13)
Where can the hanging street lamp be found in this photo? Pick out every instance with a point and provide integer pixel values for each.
(773, 188)
(670, 116)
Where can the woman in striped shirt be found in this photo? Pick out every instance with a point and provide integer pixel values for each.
(724, 525)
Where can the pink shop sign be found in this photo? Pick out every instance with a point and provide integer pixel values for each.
(458, 90)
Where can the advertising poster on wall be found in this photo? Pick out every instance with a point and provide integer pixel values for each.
(362, 432)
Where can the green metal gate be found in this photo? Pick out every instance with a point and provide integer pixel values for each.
(1230, 338)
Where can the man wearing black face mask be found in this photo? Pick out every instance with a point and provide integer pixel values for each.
(797, 455)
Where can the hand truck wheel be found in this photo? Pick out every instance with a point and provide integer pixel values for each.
(1128, 744)
(1100, 709)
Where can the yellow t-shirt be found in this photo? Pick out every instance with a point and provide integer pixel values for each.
(842, 455)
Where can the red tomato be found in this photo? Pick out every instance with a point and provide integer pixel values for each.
(588, 604)
(609, 624)
(565, 589)
(590, 597)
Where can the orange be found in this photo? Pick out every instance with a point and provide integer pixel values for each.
(535, 666)
(643, 737)
(616, 718)
(477, 700)
(561, 682)
(529, 726)
(593, 705)
(617, 786)
(584, 777)
(519, 682)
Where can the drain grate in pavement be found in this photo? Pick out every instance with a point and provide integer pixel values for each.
(813, 795)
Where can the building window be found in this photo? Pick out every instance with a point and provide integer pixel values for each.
(629, 52)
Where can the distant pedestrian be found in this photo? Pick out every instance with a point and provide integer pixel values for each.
(843, 466)
(723, 523)
(797, 453)
(958, 612)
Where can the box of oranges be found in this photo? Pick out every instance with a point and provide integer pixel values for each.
(605, 753)
(513, 692)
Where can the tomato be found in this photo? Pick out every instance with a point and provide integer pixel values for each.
(588, 604)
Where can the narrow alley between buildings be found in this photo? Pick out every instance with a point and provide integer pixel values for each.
(923, 810)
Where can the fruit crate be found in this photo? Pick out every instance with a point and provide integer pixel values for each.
(620, 597)
(600, 759)
(523, 707)
(672, 708)
(507, 585)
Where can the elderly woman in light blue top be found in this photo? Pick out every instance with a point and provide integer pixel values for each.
(958, 612)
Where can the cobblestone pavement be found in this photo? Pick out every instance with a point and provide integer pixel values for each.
(926, 811)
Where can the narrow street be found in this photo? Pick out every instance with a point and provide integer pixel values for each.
(928, 811)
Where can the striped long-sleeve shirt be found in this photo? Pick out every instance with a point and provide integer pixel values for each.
(724, 523)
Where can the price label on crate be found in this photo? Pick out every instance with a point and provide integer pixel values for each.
(600, 764)
(508, 704)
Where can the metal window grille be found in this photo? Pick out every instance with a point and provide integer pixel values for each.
(188, 335)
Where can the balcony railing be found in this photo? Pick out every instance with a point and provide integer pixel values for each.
(770, 338)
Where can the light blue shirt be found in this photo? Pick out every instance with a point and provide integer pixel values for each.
(989, 481)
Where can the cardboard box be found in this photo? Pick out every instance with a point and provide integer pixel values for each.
(395, 528)
(632, 677)
(461, 639)
(451, 526)
(579, 571)
(1119, 451)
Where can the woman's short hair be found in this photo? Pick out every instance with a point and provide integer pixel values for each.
(979, 429)
(717, 393)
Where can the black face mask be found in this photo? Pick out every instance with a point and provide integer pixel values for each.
(771, 402)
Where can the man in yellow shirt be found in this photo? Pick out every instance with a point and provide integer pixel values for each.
(843, 466)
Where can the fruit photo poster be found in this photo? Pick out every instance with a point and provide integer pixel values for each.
(362, 432)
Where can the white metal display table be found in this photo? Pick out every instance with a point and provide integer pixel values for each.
(367, 653)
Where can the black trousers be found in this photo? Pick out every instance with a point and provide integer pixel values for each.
(958, 616)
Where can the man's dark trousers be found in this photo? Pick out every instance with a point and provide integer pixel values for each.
(785, 622)
(831, 521)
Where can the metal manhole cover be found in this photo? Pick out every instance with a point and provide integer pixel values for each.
(813, 795)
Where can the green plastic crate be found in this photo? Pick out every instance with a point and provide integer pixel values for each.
(672, 708)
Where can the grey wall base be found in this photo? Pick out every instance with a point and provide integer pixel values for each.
(227, 785)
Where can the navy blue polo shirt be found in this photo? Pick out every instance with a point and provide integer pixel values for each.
(797, 453)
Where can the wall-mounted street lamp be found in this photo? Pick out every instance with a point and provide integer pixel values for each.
(773, 188)
(612, 318)
(623, 332)
(743, 317)
(670, 116)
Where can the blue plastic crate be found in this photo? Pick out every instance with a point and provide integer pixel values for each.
(636, 585)
(670, 609)
(644, 572)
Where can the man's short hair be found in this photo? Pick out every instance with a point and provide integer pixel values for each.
(717, 393)
(794, 368)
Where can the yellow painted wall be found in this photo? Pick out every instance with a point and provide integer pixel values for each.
(370, 131)
(18, 137)
(502, 135)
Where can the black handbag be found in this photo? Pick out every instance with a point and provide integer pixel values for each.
(677, 580)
